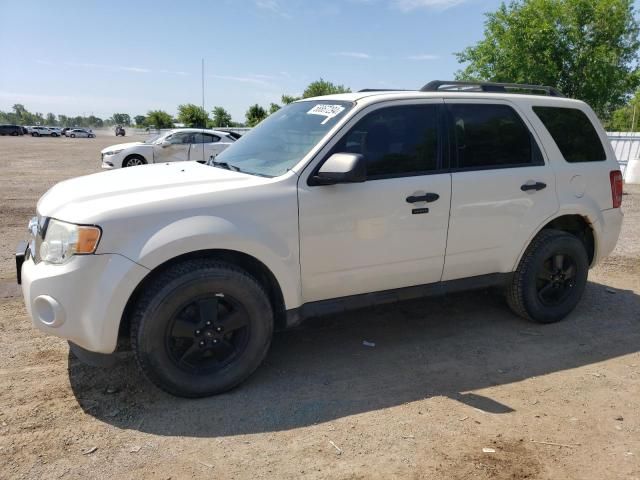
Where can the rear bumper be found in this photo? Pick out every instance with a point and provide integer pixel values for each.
(83, 300)
(607, 233)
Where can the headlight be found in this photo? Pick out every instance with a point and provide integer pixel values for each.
(113, 152)
(63, 240)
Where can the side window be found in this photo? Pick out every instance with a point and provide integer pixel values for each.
(491, 136)
(395, 141)
(206, 138)
(179, 138)
(573, 133)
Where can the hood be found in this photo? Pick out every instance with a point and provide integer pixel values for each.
(144, 188)
(122, 146)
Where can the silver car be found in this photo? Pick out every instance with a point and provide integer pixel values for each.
(80, 133)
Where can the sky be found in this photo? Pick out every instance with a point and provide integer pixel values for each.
(83, 58)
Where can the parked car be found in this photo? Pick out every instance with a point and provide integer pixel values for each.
(120, 131)
(80, 133)
(331, 203)
(39, 131)
(13, 130)
(56, 131)
(174, 146)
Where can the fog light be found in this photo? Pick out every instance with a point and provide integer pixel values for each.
(48, 311)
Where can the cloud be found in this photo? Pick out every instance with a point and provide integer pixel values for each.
(273, 6)
(172, 72)
(352, 55)
(423, 56)
(114, 68)
(248, 79)
(409, 5)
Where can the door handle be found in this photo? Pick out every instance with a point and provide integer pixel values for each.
(533, 186)
(427, 197)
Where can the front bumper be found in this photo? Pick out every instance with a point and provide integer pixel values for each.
(83, 300)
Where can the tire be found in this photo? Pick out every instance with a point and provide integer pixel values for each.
(92, 136)
(133, 161)
(14, 134)
(35, 134)
(175, 347)
(73, 135)
(550, 278)
(54, 134)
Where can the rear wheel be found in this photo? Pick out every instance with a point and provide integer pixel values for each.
(550, 278)
(201, 328)
(35, 134)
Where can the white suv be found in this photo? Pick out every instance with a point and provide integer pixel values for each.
(331, 203)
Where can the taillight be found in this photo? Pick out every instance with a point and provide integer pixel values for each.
(616, 187)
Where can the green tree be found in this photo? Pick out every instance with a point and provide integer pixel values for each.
(51, 119)
(255, 115)
(159, 119)
(121, 119)
(273, 108)
(322, 87)
(287, 99)
(586, 48)
(626, 119)
(192, 115)
(94, 121)
(140, 120)
(221, 118)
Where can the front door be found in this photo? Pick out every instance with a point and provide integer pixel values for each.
(389, 231)
(174, 148)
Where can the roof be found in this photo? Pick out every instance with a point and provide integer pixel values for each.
(366, 97)
(198, 130)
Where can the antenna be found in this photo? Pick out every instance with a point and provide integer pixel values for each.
(203, 84)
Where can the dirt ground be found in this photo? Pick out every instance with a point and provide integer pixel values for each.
(447, 378)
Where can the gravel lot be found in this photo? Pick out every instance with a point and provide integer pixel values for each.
(447, 377)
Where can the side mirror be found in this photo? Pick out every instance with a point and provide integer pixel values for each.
(342, 168)
(165, 143)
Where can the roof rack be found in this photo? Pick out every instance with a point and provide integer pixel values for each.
(383, 90)
(474, 87)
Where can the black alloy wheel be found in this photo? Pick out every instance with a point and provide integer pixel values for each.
(208, 333)
(555, 279)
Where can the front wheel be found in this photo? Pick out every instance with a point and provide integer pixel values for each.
(35, 134)
(73, 135)
(133, 161)
(550, 278)
(201, 328)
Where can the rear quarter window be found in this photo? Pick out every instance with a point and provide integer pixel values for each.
(573, 133)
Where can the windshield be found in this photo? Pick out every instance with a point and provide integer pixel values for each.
(153, 138)
(283, 139)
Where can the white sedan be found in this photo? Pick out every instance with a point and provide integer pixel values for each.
(79, 132)
(173, 146)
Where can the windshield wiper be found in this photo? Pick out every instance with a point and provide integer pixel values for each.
(225, 165)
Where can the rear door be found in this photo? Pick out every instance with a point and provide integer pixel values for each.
(204, 146)
(502, 187)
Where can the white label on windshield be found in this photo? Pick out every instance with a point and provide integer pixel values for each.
(325, 110)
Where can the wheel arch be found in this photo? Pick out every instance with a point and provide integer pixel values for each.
(577, 224)
(247, 262)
